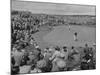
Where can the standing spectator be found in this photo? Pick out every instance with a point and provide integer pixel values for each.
(65, 52)
(18, 57)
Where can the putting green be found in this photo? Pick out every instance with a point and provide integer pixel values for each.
(62, 36)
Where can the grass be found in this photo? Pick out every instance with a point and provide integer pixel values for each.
(61, 36)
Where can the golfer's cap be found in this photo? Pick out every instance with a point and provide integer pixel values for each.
(72, 47)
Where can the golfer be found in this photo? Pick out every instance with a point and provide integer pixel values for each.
(75, 36)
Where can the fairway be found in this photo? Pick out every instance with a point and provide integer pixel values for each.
(62, 36)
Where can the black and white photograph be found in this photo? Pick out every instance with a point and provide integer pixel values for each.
(51, 37)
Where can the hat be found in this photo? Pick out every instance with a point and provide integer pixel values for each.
(36, 46)
(72, 47)
(57, 48)
(64, 47)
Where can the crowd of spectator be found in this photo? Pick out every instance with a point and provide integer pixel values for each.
(51, 59)
(28, 57)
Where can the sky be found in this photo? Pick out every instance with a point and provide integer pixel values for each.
(53, 8)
